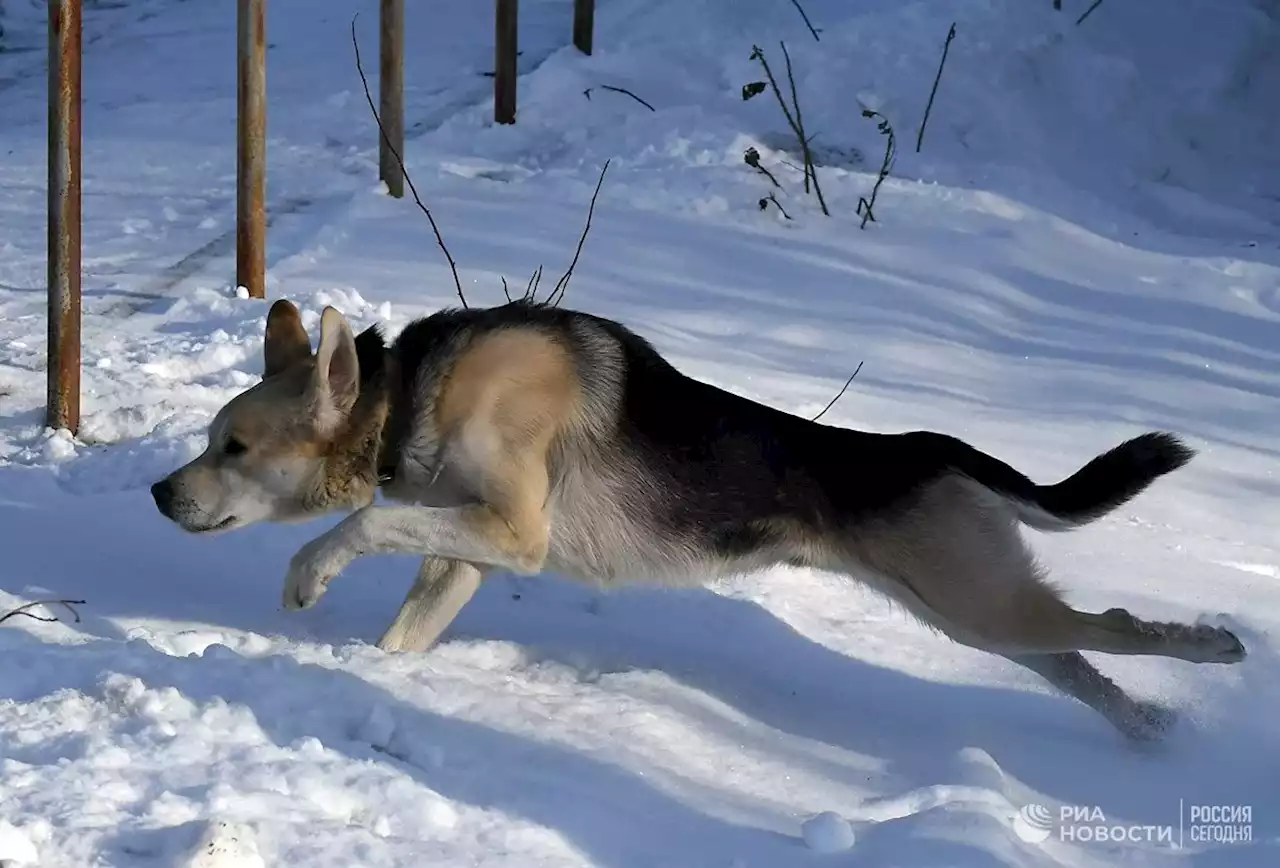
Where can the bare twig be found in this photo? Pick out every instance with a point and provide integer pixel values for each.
(764, 203)
(795, 103)
(557, 294)
(890, 148)
(807, 22)
(758, 54)
(453, 266)
(587, 94)
(1088, 12)
(25, 612)
(793, 119)
(752, 158)
(505, 290)
(839, 394)
(951, 34)
(531, 290)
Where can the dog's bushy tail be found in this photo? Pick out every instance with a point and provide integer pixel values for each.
(1107, 482)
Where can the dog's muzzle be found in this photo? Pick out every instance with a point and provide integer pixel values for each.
(162, 493)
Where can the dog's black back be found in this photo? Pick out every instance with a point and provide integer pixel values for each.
(732, 472)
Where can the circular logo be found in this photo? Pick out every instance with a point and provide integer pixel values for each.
(1033, 824)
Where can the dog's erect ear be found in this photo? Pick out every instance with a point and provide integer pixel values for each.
(286, 342)
(337, 365)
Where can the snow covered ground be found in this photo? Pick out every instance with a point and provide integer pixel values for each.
(1087, 246)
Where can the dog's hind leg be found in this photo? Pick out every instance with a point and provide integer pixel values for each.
(1115, 631)
(1072, 674)
(1033, 619)
(965, 569)
(442, 588)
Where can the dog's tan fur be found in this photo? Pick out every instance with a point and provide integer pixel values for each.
(521, 451)
(509, 396)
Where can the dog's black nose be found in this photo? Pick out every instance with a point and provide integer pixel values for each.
(162, 491)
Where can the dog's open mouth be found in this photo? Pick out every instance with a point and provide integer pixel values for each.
(222, 525)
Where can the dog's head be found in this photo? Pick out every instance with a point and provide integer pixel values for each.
(271, 449)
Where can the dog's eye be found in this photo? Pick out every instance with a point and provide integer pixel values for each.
(234, 447)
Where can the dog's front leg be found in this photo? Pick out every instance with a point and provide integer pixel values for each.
(473, 534)
(439, 592)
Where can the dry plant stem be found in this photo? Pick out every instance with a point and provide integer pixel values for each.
(531, 289)
(587, 94)
(807, 22)
(505, 290)
(768, 175)
(865, 205)
(24, 610)
(951, 34)
(839, 394)
(557, 294)
(759, 55)
(795, 103)
(752, 159)
(793, 120)
(453, 266)
(777, 204)
(1088, 12)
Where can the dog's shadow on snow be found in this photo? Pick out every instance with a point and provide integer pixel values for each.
(917, 733)
(612, 815)
(928, 746)
(744, 656)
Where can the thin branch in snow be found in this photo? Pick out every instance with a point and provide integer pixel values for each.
(531, 289)
(25, 610)
(839, 394)
(764, 203)
(587, 94)
(794, 120)
(453, 266)
(890, 148)
(557, 294)
(807, 22)
(951, 34)
(1088, 12)
(752, 159)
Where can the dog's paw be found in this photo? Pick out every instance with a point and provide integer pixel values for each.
(307, 580)
(1148, 721)
(1223, 633)
(1213, 644)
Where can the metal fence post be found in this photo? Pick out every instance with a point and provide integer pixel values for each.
(251, 161)
(391, 95)
(504, 65)
(584, 16)
(63, 352)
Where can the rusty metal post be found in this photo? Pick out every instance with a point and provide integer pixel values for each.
(251, 157)
(584, 17)
(391, 95)
(63, 352)
(504, 64)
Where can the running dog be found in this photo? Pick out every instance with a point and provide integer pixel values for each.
(528, 437)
